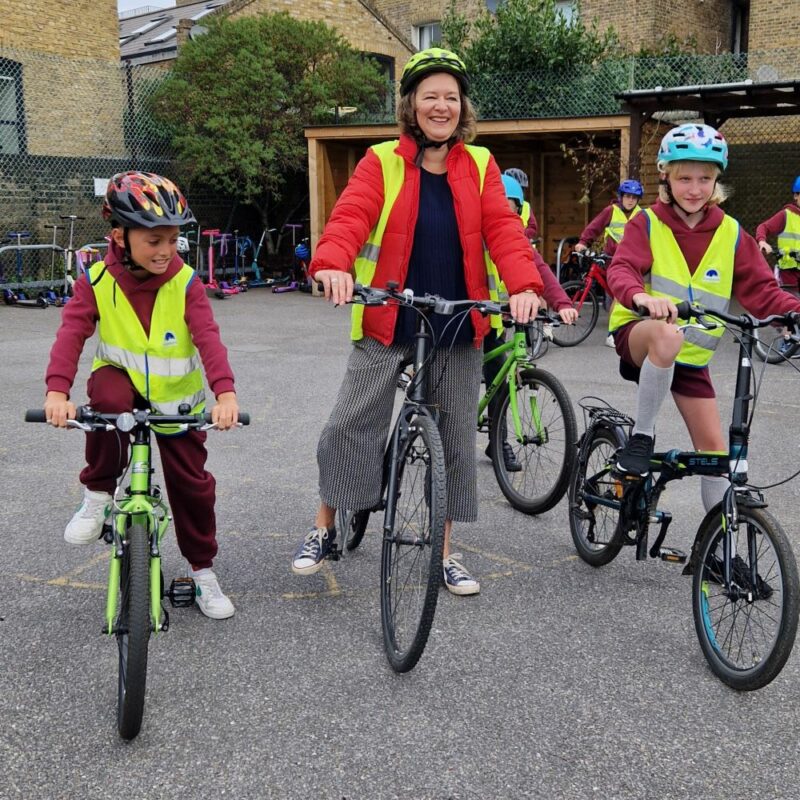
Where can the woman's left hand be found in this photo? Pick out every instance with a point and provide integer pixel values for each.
(568, 315)
(524, 306)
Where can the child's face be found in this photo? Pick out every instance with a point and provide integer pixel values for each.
(629, 201)
(692, 184)
(151, 248)
(796, 199)
(512, 204)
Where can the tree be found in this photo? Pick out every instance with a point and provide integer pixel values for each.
(238, 98)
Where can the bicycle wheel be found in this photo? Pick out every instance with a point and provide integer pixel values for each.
(570, 335)
(592, 523)
(746, 634)
(352, 525)
(544, 446)
(766, 345)
(411, 558)
(133, 631)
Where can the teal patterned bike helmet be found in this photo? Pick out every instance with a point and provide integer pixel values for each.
(694, 142)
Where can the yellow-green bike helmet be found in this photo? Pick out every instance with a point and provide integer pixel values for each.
(434, 59)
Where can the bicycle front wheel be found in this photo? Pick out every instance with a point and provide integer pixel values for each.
(594, 498)
(543, 447)
(767, 343)
(133, 631)
(411, 558)
(588, 310)
(746, 632)
(352, 525)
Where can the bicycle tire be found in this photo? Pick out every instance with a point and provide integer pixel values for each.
(586, 519)
(411, 555)
(766, 345)
(570, 335)
(748, 645)
(133, 631)
(352, 525)
(547, 454)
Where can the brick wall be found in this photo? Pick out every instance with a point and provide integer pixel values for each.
(409, 13)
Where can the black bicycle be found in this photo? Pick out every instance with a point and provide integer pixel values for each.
(745, 592)
(414, 492)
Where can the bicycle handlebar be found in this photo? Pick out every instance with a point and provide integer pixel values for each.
(96, 420)
(688, 310)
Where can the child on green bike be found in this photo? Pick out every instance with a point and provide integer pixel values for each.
(683, 248)
(153, 319)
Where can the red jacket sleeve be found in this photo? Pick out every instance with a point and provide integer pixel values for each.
(355, 214)
(78, 321)
(205, 335)
(632, 260)
(596, 228)
(504, 236)
(754, 284)
(771, 227)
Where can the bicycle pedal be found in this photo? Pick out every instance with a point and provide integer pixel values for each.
(181, 592)
(107, 534)
(672, 555)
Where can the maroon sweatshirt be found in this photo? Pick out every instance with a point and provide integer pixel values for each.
(80, 315)
(775, 224)
(754, 284)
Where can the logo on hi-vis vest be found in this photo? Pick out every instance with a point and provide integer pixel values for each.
(712, 275)
(170, 339)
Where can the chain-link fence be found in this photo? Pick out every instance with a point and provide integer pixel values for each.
(67, 125)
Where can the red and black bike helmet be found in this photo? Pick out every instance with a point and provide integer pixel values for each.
(145, 200)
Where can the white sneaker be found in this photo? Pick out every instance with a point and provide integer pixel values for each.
(547, 331)
(86, 525)
(209, 597)
(610, 341)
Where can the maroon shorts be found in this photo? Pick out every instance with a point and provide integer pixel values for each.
(688, 381)
(789, 279)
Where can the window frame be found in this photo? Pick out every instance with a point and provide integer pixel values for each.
(12, 70)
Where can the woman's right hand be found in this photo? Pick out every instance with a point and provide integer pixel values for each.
(58, 409)
(657, 307)
(765, 247)
(338, 285)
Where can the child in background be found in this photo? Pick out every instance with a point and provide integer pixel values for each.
(152, 317)
(528, 218)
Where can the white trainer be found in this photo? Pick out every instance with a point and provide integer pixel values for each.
(209, 597)
(86, 525)
(610, 341)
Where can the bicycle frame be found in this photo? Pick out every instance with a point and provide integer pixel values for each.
(597, 274)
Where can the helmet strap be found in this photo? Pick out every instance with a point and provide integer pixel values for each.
(127, 259)
(425, 143)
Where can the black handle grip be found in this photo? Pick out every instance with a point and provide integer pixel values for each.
(244, 417)
(684, 310)
(35, 415)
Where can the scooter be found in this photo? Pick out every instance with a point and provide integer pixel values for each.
(20, 300)
(213, 289)
(258, 279)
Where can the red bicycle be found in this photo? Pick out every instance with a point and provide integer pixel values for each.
(582, 292)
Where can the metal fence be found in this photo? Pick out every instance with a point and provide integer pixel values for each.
(66, 125)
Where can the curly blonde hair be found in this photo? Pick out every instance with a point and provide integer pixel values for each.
(675, 168)
(466, 130)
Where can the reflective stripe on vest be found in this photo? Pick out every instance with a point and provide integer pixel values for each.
(789, 239)
(393, 167)
(616, 227)
(710, 286)
(164, 367)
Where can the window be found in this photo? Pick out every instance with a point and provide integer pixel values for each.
(740, 26)
(428, 35)
(12, 117)
(567, 9)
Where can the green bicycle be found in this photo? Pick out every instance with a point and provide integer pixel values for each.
(532, 412)
(135, 529)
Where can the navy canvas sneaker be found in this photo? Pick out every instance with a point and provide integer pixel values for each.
(313, 550)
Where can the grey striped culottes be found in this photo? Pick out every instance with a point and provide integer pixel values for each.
(351, 446)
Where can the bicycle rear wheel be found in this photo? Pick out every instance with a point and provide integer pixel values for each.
(544, 446)
(352, 525)
(593, 497)
(767, 343)
(748, 633)
(588, 310)
(133, 631)
(411, 558)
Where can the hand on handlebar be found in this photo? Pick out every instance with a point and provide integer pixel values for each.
(225, 413)
(337, 285)
(523, 306)
(765, 247)
(568, 315)
(58, 409)
(658, 308)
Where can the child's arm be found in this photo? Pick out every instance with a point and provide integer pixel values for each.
(555, 297)
(631, 261)
(754, 284)
(770, 230)
(594, 230)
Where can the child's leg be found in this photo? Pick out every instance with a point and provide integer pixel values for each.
(192, 495)
(110, 390)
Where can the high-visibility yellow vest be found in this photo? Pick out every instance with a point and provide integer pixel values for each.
(525, 213)
(789, 239)
(393, 167)
(616, 227)
(164, 366)
(710, 286)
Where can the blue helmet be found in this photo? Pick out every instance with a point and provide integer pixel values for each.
(694, 142)
(513, 189)
(302, 251)
(631, 186)
(796, 185)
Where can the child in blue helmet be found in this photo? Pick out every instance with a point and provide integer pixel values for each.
(528, 218)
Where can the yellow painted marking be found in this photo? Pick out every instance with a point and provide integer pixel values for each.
(330, 580)
(65, 579)
(60, 582)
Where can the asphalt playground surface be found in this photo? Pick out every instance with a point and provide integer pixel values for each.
(558, 681)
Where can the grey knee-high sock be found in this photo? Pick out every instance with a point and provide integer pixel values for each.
(654, 383)
(712, 490)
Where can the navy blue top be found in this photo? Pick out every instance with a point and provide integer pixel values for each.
(436, 265)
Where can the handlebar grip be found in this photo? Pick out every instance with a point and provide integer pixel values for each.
(684, 309)
(35, 415)
(244, 417)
